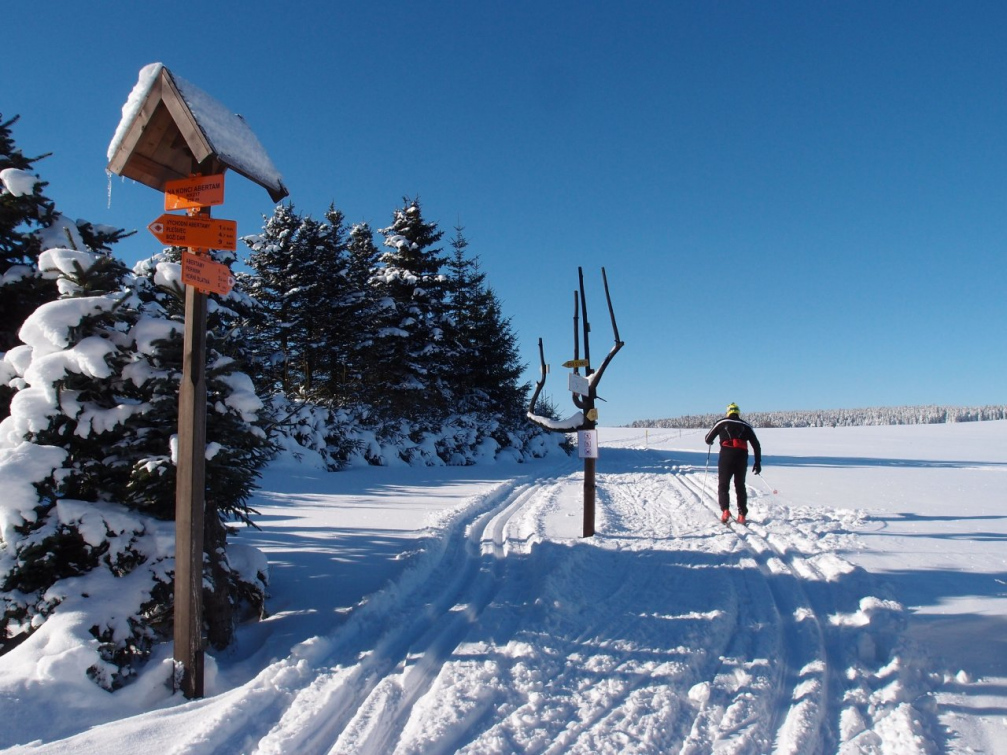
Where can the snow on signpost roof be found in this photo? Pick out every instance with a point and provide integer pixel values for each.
(159, 101)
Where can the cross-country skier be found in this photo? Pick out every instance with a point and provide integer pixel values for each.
(735, 434)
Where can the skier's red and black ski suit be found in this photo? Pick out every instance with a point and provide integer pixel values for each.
(735, 434)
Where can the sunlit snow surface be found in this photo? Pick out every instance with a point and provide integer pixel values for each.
(460, 610)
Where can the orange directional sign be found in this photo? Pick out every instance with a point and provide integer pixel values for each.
(197, 191)
(205, 274)
(198, 232)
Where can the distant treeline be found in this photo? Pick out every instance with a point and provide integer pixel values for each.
(885, 415)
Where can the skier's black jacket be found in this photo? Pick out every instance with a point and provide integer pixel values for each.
(735, 433)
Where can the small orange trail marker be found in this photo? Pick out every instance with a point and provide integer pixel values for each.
(196, 232)
(206, 275)
(574, 363)
(197, 191)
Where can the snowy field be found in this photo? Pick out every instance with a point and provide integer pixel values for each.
(458, 610)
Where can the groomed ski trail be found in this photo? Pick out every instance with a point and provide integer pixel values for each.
(666, 632)
(364, 707)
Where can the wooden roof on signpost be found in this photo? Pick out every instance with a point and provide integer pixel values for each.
(173, 128)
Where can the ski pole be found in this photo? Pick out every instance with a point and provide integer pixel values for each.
(707, 471)
(768, 486)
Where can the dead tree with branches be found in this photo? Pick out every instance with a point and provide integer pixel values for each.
(584, 389)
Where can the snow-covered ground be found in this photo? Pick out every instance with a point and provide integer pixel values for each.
(459, 610)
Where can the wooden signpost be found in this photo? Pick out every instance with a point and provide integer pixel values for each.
(167, 146)
(190, 496)
(201, 275)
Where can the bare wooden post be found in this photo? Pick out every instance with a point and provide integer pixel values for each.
(587, 405)
(589, 496)
(190, 495)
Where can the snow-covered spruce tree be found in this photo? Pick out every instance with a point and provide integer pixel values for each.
(485, 366)
(29, 223)
(23, 207)
(318, 259)
(357, 310)
(332, 303)
(275, 276)
(484, 369)
(313, 283)
(406, 373)
(299, 279)
(68, 420)
(306, 335)
(238, 444)
(345, 304)
(95, 415)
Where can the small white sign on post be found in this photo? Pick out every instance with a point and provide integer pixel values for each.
(587, 444)
(579, 384)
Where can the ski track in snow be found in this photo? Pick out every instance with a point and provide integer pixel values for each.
(511, 633)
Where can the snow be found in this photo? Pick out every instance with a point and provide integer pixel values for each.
(569, 424)
(31, 462)
(145, 81)
(457, 609)
(57, 261)
(147, 330)
(228, 134)
(18, 182)
(47, 329)
(60, 232)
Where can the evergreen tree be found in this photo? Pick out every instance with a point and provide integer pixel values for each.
(272, 260)
(23, 207)
(485, 367)
(30, 224)
(73, 406)
(238, 444)
(408, 373)
(292, 259)
(100, 372)
(311, 294)
(355, 320)
(324, 330)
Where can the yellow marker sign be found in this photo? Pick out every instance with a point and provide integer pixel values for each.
(206, 275)
(197, 191)
(199, 232)
(576, 363)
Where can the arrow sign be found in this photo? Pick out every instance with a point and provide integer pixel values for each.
(576, 363)
(205, 274)
(197, 191)
(197, 233)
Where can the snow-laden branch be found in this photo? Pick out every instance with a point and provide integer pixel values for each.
(571, 424)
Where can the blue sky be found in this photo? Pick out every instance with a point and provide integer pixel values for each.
(799, 205)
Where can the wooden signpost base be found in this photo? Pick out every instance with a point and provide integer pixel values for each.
(190, 497)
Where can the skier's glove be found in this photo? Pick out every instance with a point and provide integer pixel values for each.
(757, 468)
